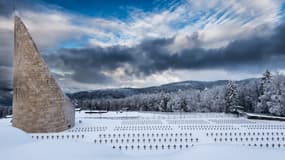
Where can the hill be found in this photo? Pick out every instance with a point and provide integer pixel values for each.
(166, 88)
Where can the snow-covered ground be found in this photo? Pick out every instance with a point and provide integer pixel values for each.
(147, 135)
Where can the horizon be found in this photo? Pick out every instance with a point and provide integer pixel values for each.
(135, 44)
(162, 85)
(70, 91)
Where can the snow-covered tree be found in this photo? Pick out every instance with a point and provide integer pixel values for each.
(192, 98)
(276, 102)
(231, 97)
(164, 100)
(217, 99)
(267, 93)
(183, 103)
(263, 96)
(248, 95)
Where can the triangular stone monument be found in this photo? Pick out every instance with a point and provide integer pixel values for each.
(39, 105)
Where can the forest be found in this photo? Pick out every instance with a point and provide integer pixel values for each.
(264, 95)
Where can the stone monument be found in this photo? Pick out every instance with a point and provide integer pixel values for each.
(39, 105)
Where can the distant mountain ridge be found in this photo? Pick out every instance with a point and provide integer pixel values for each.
(6, 90)
(170, 87)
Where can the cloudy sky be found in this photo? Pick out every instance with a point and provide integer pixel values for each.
(95, 44)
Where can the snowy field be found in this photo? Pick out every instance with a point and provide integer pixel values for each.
(146, 135)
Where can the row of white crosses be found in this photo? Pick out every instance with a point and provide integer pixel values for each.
(143, 127)
(145, 135)
(156, 147)
(141, 122)
(245, 133)
(58, 136)
(208, 127)
(264, 126)
(256, 139)
(231, 121)
(188, 121)
(88, 129)
(146, 140)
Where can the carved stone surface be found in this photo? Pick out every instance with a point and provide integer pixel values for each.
(39, 105)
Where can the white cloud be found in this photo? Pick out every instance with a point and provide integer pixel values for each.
(217, 22)
(70, 85)
(169, 76)
(232, 19)
(205, 23)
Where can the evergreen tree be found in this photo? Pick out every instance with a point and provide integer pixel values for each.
(165, 98)
(231, 97)
(266, 94)
(276, 102)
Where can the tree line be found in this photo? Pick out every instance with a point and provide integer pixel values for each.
(265, 95)
(5, 110)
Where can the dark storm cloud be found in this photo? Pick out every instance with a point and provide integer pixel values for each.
(88, 64)
(5, 77)
(6, 48)
(6, 58)
(6, 39)
(152, 56)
